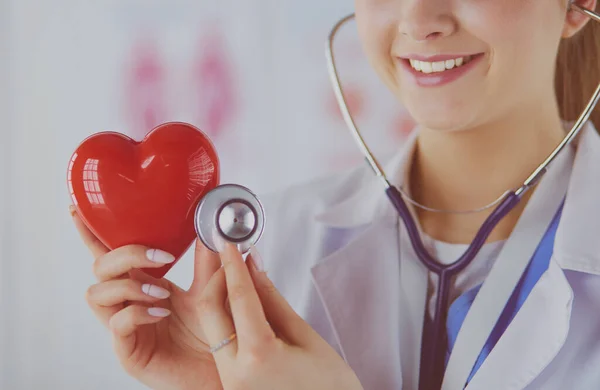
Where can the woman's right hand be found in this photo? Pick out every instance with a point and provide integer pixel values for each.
(155, 325)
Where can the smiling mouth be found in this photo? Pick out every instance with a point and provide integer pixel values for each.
(439, 66)
(438, 70)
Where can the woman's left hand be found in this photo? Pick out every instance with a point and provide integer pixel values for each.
(274, 348)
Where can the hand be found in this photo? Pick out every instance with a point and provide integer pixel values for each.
(155, 324)
(283, 353)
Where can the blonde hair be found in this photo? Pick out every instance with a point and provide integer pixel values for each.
(578, 72)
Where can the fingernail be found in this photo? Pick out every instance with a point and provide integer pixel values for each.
(158, 256)
(218, 241)
(72, 210)
(158, 311)
(257, 259)
(155, 291)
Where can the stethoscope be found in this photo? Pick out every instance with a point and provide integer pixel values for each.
(234, 213)
(433, 359)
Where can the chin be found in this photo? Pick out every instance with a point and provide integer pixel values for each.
(442, 121)
(444, 116)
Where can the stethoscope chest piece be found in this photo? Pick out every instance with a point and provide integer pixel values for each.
(233, 212)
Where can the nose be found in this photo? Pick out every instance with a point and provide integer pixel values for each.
(423, 20)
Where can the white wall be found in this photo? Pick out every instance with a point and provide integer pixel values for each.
(6, 62)
(66, 76)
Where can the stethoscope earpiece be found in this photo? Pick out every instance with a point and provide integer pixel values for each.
(234, 213)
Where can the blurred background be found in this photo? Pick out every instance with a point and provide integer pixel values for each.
(251, 74)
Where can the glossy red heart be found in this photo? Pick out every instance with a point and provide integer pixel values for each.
(145, 193)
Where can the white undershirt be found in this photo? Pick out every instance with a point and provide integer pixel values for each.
(447, 253)
(470, 277)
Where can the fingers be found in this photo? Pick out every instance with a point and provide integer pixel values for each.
(206, 263)
(120, 290)
(108, 298)
(108, 302)
(246, 308)
(216, 321)
(281, 316)
(122, 260)
(126, 321)
(89, 239)
(113, 264)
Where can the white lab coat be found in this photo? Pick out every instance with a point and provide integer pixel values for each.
(332, 248)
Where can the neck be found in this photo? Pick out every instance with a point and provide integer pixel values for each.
(466, 170)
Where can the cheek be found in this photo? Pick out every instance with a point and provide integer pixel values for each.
(376, 29)
(516, 31)
(499, 24)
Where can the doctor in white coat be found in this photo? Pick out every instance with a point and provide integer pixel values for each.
(345, 301)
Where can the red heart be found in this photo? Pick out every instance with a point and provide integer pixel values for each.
(145, 193)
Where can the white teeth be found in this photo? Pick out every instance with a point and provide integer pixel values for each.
(440, 66)
(415, 64)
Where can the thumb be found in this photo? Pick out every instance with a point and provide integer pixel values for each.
(206, 263)
(96, 247)
(280, 315)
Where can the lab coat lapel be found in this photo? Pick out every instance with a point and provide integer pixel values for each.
(375, 302)
(363, 286)
(540, 328)
(359, 285)
(534, 337)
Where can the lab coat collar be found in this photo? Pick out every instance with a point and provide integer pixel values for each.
(577, 246)
(370, 202)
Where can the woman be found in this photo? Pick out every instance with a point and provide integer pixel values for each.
(337, 255)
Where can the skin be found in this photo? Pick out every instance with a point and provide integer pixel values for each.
(508, 118)
(474, 145)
